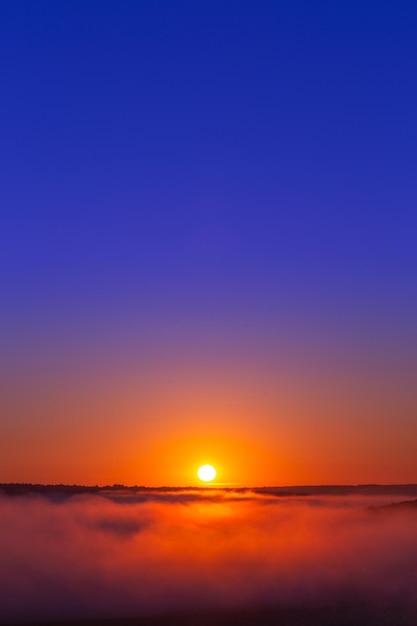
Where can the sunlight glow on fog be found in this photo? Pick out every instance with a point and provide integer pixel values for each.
(95, 556)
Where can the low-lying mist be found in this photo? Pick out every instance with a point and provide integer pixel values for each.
(122, 555)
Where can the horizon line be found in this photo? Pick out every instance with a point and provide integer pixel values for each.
(217, 485)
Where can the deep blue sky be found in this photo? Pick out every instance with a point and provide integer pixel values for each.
(206, 178)
(208, 157)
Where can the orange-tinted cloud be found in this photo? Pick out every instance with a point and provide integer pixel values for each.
(124, 555)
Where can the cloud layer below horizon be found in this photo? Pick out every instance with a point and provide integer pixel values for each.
(103, 557)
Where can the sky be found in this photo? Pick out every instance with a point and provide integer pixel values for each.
(207, 242)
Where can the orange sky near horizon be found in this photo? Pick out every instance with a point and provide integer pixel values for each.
(257, 426)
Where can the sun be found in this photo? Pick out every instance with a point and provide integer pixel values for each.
(207, 473)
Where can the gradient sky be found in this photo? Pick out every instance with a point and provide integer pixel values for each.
(208, 241)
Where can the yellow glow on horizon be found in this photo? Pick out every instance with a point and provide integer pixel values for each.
(206, 473)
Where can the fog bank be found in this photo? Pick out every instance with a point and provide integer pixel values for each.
(92, 556)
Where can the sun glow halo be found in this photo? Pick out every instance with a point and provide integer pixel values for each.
(206, 473)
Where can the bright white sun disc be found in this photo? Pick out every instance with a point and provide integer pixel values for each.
(206, 473)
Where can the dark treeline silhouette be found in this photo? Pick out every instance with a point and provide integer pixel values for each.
(19, 489)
